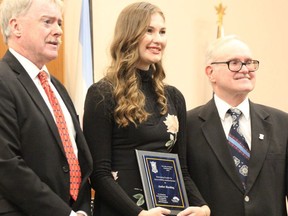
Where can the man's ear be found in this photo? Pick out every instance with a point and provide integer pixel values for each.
(15, 27)
(209, 73)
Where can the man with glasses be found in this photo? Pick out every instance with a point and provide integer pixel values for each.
(237, 149)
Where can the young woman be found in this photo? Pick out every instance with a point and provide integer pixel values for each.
(131, 108)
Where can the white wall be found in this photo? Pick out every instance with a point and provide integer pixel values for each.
(191, 25)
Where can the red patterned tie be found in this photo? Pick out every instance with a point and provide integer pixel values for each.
(75, 173)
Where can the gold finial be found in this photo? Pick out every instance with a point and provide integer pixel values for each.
(220, 12)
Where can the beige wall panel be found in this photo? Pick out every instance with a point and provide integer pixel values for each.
(191, 25)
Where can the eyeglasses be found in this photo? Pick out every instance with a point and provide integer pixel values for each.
(236, 65)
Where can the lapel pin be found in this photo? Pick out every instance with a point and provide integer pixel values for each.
(261, 136)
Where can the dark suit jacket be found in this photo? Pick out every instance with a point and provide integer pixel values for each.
(213, 170)
(33, 167)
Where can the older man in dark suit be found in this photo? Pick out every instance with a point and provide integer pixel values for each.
(44, 159)
(237, 150)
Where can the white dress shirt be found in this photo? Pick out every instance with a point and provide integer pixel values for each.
(226, 119)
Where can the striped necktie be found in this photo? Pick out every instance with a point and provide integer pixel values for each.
(238, 146)
(75, 172)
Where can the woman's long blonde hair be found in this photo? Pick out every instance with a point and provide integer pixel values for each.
(130, 27)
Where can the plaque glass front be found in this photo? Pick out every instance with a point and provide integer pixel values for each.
(162, 180)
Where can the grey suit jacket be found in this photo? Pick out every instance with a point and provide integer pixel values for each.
(213, 170)
(33, 167)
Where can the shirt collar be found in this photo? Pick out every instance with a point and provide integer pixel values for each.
(223, 107)
(31, 68)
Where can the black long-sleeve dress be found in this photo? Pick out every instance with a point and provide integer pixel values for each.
(116, 176)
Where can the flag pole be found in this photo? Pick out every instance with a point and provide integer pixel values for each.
(91, 30)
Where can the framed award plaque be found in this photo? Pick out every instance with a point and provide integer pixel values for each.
(162, 180)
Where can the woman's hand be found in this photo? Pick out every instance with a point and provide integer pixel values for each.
(195, 211)
(158, 211)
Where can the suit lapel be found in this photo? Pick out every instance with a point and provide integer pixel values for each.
(32, 90)
(260, 131)
(216, 138)
(29, 86)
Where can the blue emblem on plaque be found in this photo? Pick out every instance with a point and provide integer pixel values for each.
(154, 167)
